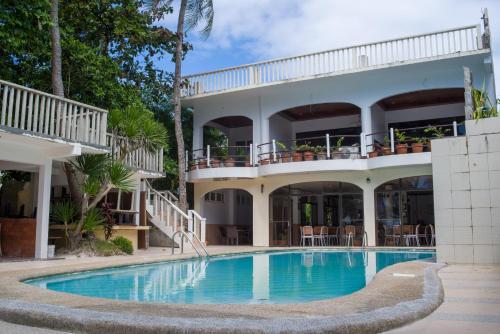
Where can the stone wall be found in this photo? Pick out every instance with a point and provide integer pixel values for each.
(466, 176)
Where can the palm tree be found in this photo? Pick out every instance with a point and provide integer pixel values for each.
(191, 14)
(55, 37)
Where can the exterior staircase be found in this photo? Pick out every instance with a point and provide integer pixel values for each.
(164, 213)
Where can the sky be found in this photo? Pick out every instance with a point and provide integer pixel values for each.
(246, 31)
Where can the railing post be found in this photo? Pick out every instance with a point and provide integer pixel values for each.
(203, 230)
(251, 77)
(251, 154)
(187, 161)
(392, 140)
(208, 155)
(362, 140)
(328, 153)
(274, 150)
(455, 130)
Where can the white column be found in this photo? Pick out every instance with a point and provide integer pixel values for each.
(260, 218)
(370, 265)
(366, 123)
(369, 214)
(264, 130)
(197, 139)
(137, 201)
(43, 209)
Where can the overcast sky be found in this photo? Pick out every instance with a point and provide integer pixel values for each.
(252, 30)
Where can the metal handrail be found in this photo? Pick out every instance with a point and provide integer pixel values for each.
(365, 240)
(184, 234)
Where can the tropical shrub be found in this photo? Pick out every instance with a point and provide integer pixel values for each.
(123, 244)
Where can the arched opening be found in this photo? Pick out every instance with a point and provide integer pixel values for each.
(305, 128)
(405, 212)
(418, 116)
(332, 204)
(229, 217)
(229, 139)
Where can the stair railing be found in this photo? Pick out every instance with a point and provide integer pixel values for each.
(189, 236)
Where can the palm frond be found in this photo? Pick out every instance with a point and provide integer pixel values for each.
(92, 165)
(198, 11)
(120, 177)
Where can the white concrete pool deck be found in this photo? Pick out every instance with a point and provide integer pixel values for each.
(472, 294)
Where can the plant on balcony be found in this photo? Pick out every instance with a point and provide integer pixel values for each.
(338, 148)
(307, 152)
(320, 152)
(418, 144)
(296, 153)
(283, 151)
(386, 148)
(401, 146)
(483, 107)
(243, 155)
(435, 132)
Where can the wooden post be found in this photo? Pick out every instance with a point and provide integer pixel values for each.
(469, 104)
(143, 235)
(486, 34)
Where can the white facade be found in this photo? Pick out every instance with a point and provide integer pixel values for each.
(370, 85)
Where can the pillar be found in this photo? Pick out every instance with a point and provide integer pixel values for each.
(366, 124)
(43, 209)
(369, 214)
(260, 217)
(197, 140)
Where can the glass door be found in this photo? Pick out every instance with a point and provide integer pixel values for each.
(281, 221)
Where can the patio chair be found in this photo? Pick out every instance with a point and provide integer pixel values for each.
(232, 235)
(429, 231)
(332, 235)
(349, 234)
(306, 232)
(317, 235)
(388, 235)
(396, 234)
(421, 236)
(410, 235)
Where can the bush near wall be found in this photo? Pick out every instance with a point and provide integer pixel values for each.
(124, 244)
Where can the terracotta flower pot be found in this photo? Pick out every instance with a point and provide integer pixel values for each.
(285, 157)
(264, 161)
(192, 167)
(386, 151)
(321, 156)
(247, 164)
(401, 148)
(429, 148)
(202, 164)
(297, 156)
(372, 154)
(417, 147)
(215, 163)
(229, 162)
(308, 156)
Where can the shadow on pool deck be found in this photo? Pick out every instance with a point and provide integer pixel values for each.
(387, 302)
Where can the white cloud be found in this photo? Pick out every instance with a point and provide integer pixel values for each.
(276, 28)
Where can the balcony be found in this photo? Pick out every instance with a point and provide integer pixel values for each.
(395, 147)
(411, 49)
(34, 113)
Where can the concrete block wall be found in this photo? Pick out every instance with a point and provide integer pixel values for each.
(466, 176)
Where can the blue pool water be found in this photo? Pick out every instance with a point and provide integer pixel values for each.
(273, 277)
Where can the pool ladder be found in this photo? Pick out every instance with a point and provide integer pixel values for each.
(350, 240)
(187, 235)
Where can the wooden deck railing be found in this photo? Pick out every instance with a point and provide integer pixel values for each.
(440, 43)
(139, 159)
(37, 112)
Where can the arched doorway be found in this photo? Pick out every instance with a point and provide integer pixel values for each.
(229, 217)
(402, 205)
(332, 204)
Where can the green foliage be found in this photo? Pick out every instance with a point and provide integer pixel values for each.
(319, 149)
(339, 143)
(483, 108)
(400, 136)
(123, 244)
(105, 248)
(304, 147)
(436, 131)
(64, 212)
(92, 220)
(281, 145)
(120, 177)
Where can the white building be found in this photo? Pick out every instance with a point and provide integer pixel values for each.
(343, 102)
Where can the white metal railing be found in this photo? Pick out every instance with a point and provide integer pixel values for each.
(138, 158)
(440, 43)
(171, 217)
(37, 112)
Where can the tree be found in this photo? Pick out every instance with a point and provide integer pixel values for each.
(191, 14)
(56, 60)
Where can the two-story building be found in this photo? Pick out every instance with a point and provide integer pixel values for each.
(337, 138)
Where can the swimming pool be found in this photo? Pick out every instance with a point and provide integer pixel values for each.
(270, 277)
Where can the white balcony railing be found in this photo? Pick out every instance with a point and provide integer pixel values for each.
(139, 158)
(33, 111)
(417, 47)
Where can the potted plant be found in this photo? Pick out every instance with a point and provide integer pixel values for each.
(418, 145)
(402, 146)
(283, 151)
(264, 160)
(192, 165)
(202, 164)
(386, 149)
(320, 152)
(241, 154)
(296, 154)
(307, 152)
(337, 150)
(435, 132)
(373, 154)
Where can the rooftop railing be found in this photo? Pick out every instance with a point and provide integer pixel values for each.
(139, 158)
(29, 110)
(410, 48)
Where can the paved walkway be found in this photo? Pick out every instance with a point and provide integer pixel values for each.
(471, 305)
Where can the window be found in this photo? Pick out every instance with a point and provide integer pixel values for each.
(214, 196)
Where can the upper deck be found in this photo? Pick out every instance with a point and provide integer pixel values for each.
(442, 44)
